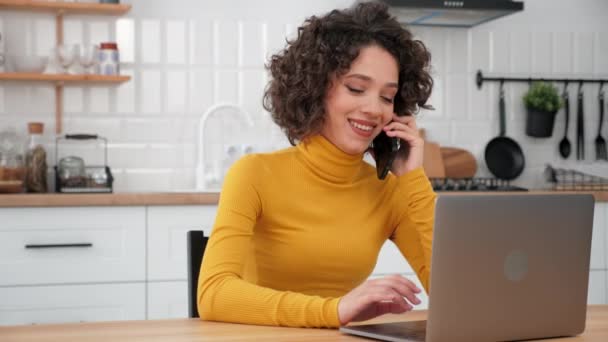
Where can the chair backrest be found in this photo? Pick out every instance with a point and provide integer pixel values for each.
(197, 242)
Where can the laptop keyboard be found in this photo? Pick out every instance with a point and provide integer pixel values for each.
(410, 331)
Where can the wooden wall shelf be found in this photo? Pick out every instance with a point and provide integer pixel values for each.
(64, 7)
(66, 78)
(59, 9)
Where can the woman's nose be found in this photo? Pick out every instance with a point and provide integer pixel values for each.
(373, 107)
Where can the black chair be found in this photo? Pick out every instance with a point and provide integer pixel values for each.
(197, 242)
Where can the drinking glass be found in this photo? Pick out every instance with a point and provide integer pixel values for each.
(87, 56)
(66, 54)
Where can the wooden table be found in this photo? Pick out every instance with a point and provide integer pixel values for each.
(178, 330)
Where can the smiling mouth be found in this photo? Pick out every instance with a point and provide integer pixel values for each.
(362, 127)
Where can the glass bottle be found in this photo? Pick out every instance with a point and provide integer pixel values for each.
(35, 160)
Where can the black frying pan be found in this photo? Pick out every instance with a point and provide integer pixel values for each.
(504, 157)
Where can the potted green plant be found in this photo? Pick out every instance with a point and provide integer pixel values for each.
(542, 103)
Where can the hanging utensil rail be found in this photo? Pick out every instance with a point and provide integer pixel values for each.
(481, 78)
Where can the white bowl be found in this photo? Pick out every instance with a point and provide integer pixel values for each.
(34, 64)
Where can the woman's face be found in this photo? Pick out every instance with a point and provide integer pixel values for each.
(360, 103)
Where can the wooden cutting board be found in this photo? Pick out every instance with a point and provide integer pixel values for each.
(433, 162)
(458, 163)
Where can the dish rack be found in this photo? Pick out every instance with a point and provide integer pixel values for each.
(567, 180)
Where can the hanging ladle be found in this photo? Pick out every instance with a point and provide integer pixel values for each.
(564, 145)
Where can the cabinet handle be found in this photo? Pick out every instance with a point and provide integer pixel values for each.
(81, 136)
(61, 245)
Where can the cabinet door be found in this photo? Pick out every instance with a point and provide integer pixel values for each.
(391, 261)
(72, 303)
(167, 227)
(72, 245)
(167, 300)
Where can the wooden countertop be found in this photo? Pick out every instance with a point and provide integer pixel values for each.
(183, 198)
(177, 330)
(116, 199)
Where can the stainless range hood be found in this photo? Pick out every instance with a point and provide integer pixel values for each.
(465, 13)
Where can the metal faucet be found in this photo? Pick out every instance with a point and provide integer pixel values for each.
(203, 178)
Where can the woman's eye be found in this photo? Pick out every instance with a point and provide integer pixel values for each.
(388, 99)
(355, 90)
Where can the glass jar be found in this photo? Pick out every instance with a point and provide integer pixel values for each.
(72, 172)
(108, 59)
(12, 163)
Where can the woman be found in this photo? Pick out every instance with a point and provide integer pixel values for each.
(298, 231)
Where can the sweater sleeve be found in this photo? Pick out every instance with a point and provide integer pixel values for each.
(413, 234)
(223, 295)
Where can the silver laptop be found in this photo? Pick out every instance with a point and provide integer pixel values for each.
(504, 267)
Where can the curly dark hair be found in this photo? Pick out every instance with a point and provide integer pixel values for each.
(324, 48)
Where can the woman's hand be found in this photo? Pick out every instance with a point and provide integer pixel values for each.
(412, 145)
(378, 297)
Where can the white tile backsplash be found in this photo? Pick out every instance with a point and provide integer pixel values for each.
(150, 44)
(184, 61)
(176, 92)
(253, 44)
(456, 106)
(126, 93)
(541, 53)
(274, 37)
(202, 91)
(73, 32)
(150, 100)
(41, 99)
(2, 109)
(583, 54)
(600, 53)
(99, 31)
(226, 43)
(457, 50)
(500, 51)
(563, 51)
(480, 49)
(176, 47)
(202, 46)
(45, 36)
(252, 89)
(226, 86)
(125, 38)
(73, 99)
(520, 49)
(99, 98)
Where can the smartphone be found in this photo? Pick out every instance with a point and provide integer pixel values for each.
(385, 151)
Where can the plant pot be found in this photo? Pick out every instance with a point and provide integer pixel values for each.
(539, 124)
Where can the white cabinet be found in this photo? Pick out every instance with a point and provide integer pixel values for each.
(600, 240)
(135, 267)
(167, 227)
(72, 245)
(72, 303)
(597, 287)
(168, 300)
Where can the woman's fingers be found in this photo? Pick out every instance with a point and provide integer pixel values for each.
(388, 295)
(402, 286)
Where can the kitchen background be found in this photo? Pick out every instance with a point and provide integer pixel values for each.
(185, 56)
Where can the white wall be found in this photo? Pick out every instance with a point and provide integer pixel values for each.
(186, 55)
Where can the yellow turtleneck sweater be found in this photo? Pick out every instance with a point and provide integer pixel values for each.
(299, 228)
